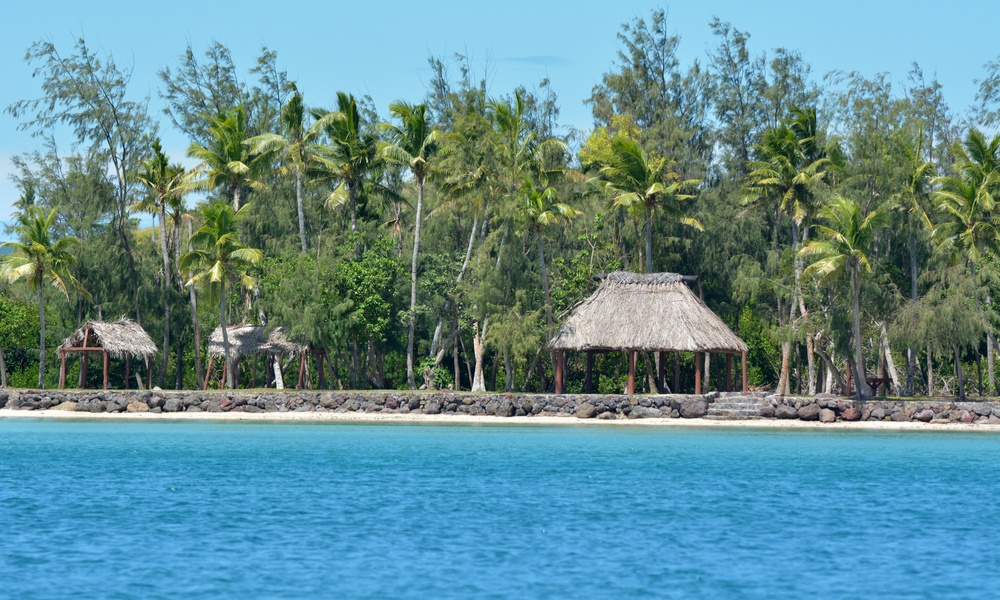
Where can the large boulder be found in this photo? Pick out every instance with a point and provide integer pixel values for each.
(783, 411)
(692, 408)
(767, 411)
(137, 407)
(925, 415)
(644, 412)
(851, 414)
(586, 411)
(433, 407)
(172, 405)
(67, 406)
(809, 412)
(827, 416)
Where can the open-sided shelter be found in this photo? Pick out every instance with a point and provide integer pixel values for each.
(252, 340)
(654, 312)
(120, 339)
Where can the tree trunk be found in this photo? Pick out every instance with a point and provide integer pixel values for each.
(194, 317)
(299, 206)
(41, 337)
(352, 197)
(413, 286)
(786, 364)
(3, 370)
(225, 337)
(166, 295)
(910, 353)
(864, 392)
(236, 199)
(649, 239)
(279, 381)
(889, 362)
(930, 372)
(478, 385)
(958, 373)
(435, 341)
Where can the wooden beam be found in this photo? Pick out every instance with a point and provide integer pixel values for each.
(661, 370)
(729, 372)
(302, 367)
(83, 371)
(631, 372)
(82, 349)
(697, 372)
(128, 369)
(560, 365)
(588, 381)
(105, 369)
(208, 372)
(743, 357)
(149, 372)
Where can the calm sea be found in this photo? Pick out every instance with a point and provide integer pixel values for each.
(206, 510)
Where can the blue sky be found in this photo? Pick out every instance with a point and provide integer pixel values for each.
(381, 48)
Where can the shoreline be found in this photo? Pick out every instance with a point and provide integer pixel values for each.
(458, 419)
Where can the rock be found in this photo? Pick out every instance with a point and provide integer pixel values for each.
(827, 416)
(898, 416)
(767, 411)
(993, 420)
(172, 405)
(414, 402)
(137, 407)
(586, 411)
(983, 409)
(4, 396)
(877, 414)
(851, 414)
(966, 417)
(607, 416)
(194, 408)
(211, 406)
(645, 412)
(925, 415)
(783, 411)
(157, 388)
(67, 405)
(505, 408)
(693, 408)
(809, 412)
(433, 407)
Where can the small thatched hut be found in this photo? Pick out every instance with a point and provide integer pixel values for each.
(650, 313)
(120, 339)
(251, 340)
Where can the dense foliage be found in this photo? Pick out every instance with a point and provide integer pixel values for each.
(832, 220)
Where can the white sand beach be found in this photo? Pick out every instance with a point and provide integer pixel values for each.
(456, 419)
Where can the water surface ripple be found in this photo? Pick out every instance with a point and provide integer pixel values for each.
(208, 510)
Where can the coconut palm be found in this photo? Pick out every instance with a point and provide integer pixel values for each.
(167, 183)
(842, 246)
(220, 258)
(36, 258)
(228, 162)
(297, 145)
(638, 183)
(412, 143)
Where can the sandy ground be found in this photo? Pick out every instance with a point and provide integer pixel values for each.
(355, 417)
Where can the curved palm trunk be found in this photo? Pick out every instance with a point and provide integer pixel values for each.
(166, 293)
(352, 197)
(225, 336)
(864, 392)
(413, 286)
(910, 353)
(545, 282)
(236, 198)
(194, 316)
(41, 337)
(298, 202)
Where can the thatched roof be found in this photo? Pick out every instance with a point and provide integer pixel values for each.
(119, 338)
(655, 312)
(253, 339)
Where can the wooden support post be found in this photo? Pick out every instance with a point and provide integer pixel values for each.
(225, 369)
(697, 372)
(62, 370)
(128, 369)
(208, 372)
(849, 378)
(105, 369)
(661, 370)
(302, 369)
(149, 372)
(560, 367)
(631, 372)
(743, 359)
(588, 381)
(729, 372)
(83, 370)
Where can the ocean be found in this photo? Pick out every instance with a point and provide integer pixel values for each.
(319, 510)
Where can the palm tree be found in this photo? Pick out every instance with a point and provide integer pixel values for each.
(221, 257)
(36, 258)
(351, 156)
(638, 183)
(297, 145)
(412, 143)
(843, 246)
(167, 183)
(228, 162)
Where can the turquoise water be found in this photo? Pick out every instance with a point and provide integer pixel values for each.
(206, 510)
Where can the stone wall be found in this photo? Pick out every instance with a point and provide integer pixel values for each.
(731, 406)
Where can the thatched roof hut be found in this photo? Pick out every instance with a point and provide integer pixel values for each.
(249, 340)
(119, 339)
(655, 312)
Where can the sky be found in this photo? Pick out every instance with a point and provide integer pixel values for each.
(381, 48)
